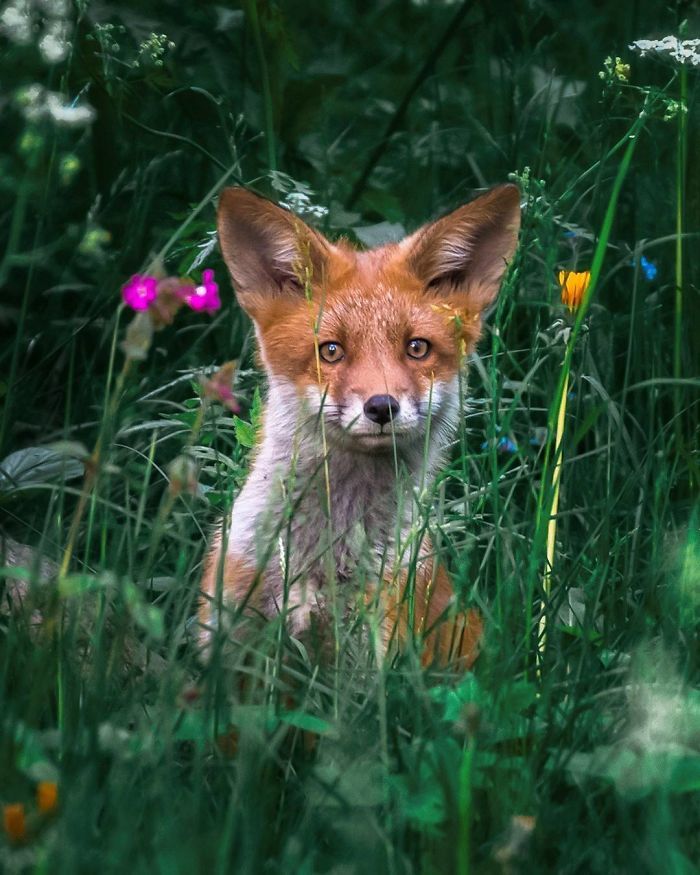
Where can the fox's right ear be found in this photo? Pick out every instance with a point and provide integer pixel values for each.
(269, 252)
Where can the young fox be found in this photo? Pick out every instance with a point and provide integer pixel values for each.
(363, 353)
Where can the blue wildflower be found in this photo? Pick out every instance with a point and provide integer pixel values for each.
(648, 267)
(506, 445)
(503, 444)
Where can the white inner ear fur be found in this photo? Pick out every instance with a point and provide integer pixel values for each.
(470, 247)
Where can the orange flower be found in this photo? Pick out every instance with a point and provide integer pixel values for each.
(14, 822)
(47, 796)
(573, 284)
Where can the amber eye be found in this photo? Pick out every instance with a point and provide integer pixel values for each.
(331, 352)
(417, 348)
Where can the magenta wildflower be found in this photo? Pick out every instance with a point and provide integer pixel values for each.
(205, 296)
(140, 292)
(220, 386)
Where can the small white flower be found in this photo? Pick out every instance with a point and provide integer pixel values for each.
(68, 114)
(16, 22)
(297, 200)
(300, 203)
(670, 47)
(54, 45)
(37, 103)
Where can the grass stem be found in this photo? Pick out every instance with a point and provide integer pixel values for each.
(270, 139)
(681, 152)
(552, 523)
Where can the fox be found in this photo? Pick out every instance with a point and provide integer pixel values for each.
(365, 353)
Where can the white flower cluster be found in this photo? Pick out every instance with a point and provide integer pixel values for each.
(297, 196)
(22, 20)
(16, 22)
(300, 203)
(153, 50)
(680, 51)
(37, 103)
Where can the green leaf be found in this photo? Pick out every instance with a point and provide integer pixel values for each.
(307, 722)
(256, 410)
(245, 432)
(423, 806)
(452, 700)
(36, 466)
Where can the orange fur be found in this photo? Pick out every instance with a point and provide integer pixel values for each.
(303, 292)
(443, 634)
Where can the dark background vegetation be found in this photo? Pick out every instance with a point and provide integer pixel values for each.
(387, 114)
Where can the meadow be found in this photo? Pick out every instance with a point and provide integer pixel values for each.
(568, 515)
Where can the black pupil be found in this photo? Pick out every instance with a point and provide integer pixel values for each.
(331, 349)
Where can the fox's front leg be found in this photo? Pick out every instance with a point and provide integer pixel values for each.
(449, 636)
(228, 580)
(231, 581)
(445, 635)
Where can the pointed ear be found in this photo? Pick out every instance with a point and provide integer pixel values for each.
(467, 251)
(269, 251)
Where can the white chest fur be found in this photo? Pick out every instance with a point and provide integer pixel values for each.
(312, 516)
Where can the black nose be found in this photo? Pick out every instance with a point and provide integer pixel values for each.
(381, 408)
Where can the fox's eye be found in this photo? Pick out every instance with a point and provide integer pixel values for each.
(331, 352)
(417, 348)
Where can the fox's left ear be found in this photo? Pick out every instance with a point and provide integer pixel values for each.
(467, 251)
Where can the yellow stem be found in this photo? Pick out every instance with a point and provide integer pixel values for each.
(552, 525)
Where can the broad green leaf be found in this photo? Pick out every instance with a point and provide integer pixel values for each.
(245, 432)
(453, 699)
(34, 466)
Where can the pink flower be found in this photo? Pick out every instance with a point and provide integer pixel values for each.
(205, 296)
(140, 292)
(220, 386)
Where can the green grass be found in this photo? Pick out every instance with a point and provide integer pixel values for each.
(576, 754)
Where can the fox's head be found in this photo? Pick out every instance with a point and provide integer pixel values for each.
(373, 339)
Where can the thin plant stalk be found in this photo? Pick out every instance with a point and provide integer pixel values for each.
(251, 7)
(544, 501)
(552, 525)
(92, 465)
(681, 151)
(465, 807)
